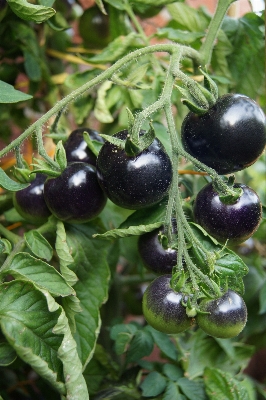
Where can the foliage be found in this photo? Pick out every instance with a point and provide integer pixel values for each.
(70, 294)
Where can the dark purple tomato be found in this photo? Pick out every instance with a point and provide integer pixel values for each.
(134, 182)
(229, 137)
(235, 222)
(30, 203)
(163, 308)
(226, 316)
(76, 148)
(154, 256)
(75, 196)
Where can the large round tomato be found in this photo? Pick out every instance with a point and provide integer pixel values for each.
(134, 182)
(30, 203)
(229, 137)
(75, 196)
(233, 222)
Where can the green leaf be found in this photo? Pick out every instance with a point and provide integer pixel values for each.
(221, 385)
(5, 246)
(122, 334)
(115, 49)
(72, 366)
(153, 385)
(39, 246)
(7, 354)
(58, 23)
(247, 39)
(178, 35)
(24, 266)
(147, 216)
(71, 306)
(140, 346)
(63, 252)
(172, 392)
(164, 343)
(193, 20)
(60, 155)
(172, 371)
(8, 94)
(32, 65)
(193, 390)
(131, 231)
(229, 268)
(119, 4)
(30, 12)
(27, 323)
(101, 111)
(139, 222)
(262, 299)
(9, 184)
(158, 2)
(92, 287)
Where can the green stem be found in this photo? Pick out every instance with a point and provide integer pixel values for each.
(12, 237)
(42, 151)
(19, 246)
(107, 74)
(19, 159)
(213, 29)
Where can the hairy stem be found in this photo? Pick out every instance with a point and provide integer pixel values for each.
(169, 48)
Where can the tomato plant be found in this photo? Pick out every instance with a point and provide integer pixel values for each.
(145, 277)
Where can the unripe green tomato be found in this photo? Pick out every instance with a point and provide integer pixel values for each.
(94, 28)
(225, 317)
(163, 309)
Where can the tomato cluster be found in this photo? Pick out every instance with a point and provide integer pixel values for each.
(75, 196)
(229, 137)
(80, 192)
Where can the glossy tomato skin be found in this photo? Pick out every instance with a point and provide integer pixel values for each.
(30, 203)
(134, 182)
(75, 196)
(154, 256)
(227, 315)
(163, 309)
(229, 137)
(76, 148)
(236, 222)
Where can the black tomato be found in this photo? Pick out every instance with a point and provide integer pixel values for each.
(154, 256)
(30, 203)
(229, 137)
(163, 308)
(75, 196)
(235, 222)
(76, 148)
(226, 316)
(134, 182)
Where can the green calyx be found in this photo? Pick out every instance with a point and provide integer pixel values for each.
(199, 99)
